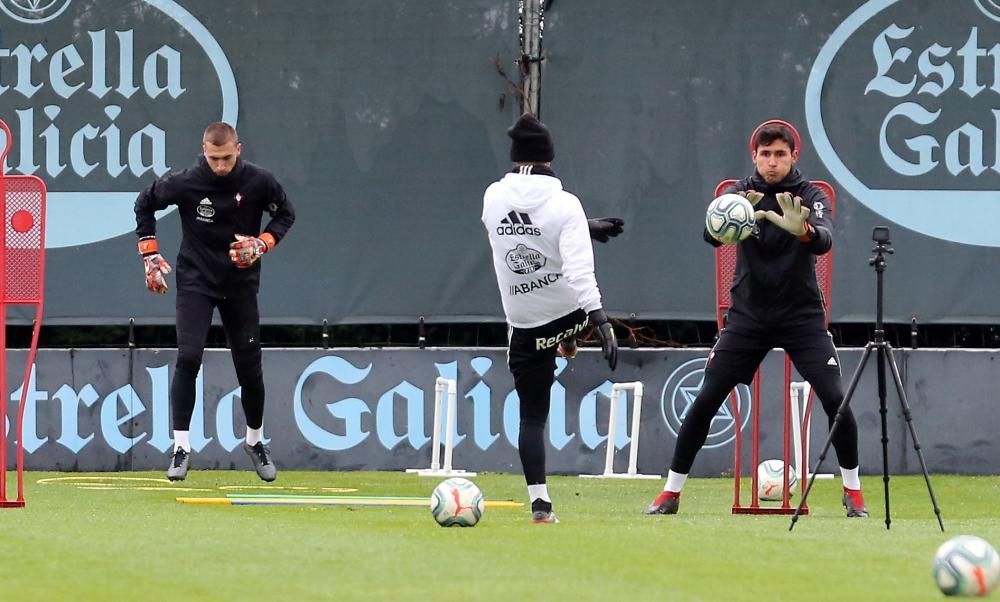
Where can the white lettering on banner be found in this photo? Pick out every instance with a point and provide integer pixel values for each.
(159, 384)
(228, 438)
(385, 416)
(31, 440)
(163, 63)
(126, 398)
(966, 135)
(346, 427)
(80, 108)
(929, 110)
(119, 407)
(70, 402)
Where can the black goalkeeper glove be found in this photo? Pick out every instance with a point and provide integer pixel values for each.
(609, 346)
(604, 228)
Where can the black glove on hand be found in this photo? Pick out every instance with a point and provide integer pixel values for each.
(603, 228)
(609, 346)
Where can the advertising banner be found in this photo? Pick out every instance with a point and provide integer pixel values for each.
(385, 122)
(374, 409)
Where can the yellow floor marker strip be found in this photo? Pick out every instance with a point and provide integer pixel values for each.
(327, 501)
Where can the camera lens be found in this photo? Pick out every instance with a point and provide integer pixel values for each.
(880, 234)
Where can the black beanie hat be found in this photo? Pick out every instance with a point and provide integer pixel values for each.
(531, 141)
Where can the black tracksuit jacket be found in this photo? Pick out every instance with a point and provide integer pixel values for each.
(774, 284)
(213, 209)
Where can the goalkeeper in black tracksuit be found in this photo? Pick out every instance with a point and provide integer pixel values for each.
(221, 201)
(776, 302)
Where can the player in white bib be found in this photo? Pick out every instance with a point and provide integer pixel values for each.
(544, 263)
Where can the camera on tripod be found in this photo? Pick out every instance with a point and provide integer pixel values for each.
(884, 359)
(880, 234)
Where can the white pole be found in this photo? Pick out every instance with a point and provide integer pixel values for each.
(450, 419)
(795, 393)
(806, 417)
(633, 450)
(617, 390)
(443, 386)
(439, 386)
(802, 419)
(609, 457)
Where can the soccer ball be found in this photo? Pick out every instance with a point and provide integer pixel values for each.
(457, 502)
(769, 480)
(730, 218)
(966, 566)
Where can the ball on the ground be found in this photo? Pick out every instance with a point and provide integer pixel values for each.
(457, 502)
(966, 566)
(770, 480)
(730, 218)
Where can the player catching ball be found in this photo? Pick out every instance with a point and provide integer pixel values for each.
(776, 302)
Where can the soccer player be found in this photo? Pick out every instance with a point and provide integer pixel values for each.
(544, 263)
(221, 201)
(776, 302)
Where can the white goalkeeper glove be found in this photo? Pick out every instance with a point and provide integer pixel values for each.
(751, 195)
(793, 216)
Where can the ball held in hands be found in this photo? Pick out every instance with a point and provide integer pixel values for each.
(730, 218)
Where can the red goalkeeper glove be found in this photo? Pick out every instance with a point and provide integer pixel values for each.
(155, 265)
(248, 249)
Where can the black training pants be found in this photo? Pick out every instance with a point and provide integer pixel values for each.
(532, 361)
(734, 359)
(241, 321)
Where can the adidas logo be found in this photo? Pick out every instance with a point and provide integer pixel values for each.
(832, 361)
(517, 223)
(205, 210)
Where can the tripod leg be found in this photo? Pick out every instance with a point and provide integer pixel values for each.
(833, 428)
(913, 432)
(883, 411)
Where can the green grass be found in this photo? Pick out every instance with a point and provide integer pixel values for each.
(72, 543)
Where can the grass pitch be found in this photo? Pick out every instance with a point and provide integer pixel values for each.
(122, 536)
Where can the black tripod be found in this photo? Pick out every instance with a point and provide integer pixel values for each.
(884, 350)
